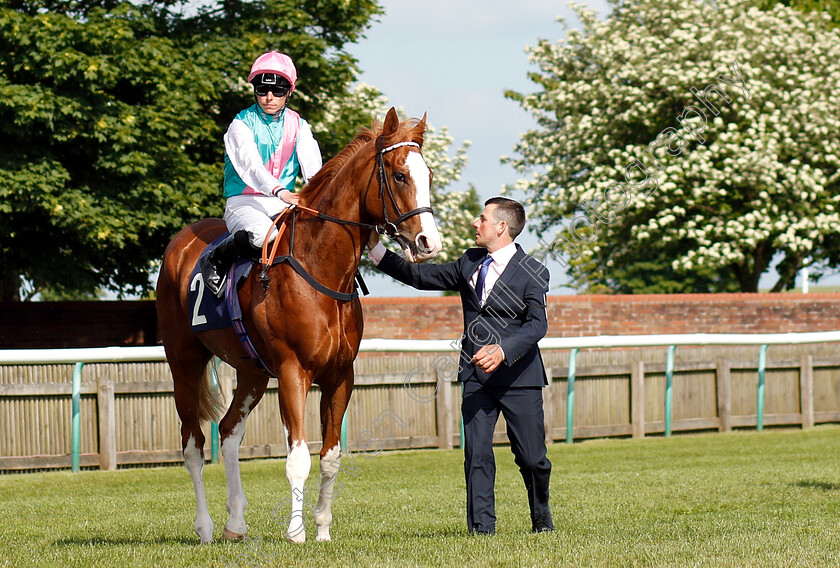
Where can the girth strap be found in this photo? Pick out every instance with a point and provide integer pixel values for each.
(334, 294)
(235, 311)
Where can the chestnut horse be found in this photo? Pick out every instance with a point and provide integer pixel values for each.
(304, 336)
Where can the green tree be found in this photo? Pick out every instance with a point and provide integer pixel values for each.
(831, 7)
(112, 115)
(662, 192)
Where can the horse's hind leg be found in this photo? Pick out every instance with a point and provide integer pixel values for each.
(334, 400)
(250, 388)
(188, 372)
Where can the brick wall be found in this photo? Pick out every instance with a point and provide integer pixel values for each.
(96, 324)
(54, 325)
(573, 316)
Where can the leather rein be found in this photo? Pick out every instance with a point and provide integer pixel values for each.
(288, 216)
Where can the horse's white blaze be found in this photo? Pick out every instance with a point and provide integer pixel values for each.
(236, 503)
(298, 465)
(194, 462)
(419, 172)
(326, 492)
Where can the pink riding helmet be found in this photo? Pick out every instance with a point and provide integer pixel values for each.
(274, 62)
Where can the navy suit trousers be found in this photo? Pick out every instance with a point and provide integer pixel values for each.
(523, 411)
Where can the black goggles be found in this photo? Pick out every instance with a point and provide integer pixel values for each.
(276, 90)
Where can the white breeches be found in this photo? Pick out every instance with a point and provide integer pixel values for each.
(253, 213)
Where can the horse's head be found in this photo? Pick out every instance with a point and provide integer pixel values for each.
(403, 202)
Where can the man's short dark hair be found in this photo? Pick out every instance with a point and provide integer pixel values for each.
(509, 211)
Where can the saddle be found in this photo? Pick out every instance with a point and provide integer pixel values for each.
(206, 311)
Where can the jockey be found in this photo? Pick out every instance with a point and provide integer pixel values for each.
(266, 146)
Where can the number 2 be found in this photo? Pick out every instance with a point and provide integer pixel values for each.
(198, 319)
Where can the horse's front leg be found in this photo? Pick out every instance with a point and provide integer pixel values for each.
(293, 389)
(250, 389)
(298, 465)
(334, 400)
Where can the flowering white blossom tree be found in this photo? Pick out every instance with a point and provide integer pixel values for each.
(684, 146)
(455, 211)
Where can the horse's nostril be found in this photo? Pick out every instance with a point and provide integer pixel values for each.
(423, 244)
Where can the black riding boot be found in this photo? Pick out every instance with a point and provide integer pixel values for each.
(244, 247)
(215, 266)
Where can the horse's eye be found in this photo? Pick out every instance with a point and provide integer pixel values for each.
(400, 177)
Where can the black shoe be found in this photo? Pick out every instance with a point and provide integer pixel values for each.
(542, 524)
(482, 532)
(214, 266)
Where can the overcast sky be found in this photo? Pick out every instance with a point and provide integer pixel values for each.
(455, 60)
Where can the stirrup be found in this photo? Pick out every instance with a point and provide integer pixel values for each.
(214, 280)
(221, 289)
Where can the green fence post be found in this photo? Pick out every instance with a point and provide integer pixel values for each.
(762, 364)
(570, 397)
(76, 424)
(214, 426)
(343, 440)
(669, 384)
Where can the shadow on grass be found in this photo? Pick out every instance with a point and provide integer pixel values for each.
(105, 541)
(280, 540)
(446, 533)
(825, 486)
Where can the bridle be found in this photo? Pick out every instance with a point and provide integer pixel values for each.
(390, 228)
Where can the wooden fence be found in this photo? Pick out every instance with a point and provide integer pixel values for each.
(128, 414)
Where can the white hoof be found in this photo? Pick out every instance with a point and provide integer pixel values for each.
(323, 534)
(235, 530)
(205, 533)
(297, 538)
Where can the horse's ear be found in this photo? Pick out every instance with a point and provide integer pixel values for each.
(422, 125)
(392, 122)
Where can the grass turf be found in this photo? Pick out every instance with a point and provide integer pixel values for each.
(769, 499)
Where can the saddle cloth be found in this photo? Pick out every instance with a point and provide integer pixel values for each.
(205, 310)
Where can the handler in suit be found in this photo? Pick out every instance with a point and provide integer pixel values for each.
(503, 299)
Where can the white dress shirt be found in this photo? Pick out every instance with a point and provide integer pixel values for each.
(501, 258)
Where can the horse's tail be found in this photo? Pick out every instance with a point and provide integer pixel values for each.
(211, 402)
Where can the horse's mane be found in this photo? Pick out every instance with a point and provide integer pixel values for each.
(408, 130)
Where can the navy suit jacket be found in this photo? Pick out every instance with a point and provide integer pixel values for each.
(514, 315)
